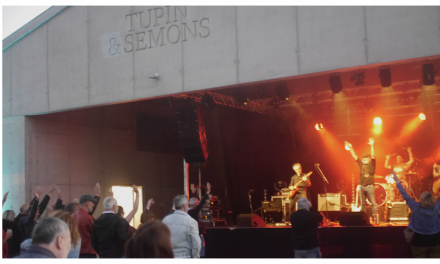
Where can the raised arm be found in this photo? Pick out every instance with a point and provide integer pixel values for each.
(204, 198)
(349, 147)
(46, 198)
(371, 142)
(387, 160)
(5, 197)
(410, 202)
(435, 173)
(149, 204)
(97, 192)
(33, 210)
(59, 202)
(135, 206)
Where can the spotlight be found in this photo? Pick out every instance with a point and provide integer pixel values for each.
(208, 101)
(241, 98)
(428, 74)
(282, 91)
(422, 116)
(358, 78)
(335, 83)
(275, 103)
(377, 121)
(167, 103)
(319, 126)
(385, 77)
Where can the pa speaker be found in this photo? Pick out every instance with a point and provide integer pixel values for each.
(385, 77)
(428, 74)
(353, 219)
(192, 133)
(335, 83)
(249, 220)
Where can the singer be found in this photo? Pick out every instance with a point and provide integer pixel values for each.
(302, 187)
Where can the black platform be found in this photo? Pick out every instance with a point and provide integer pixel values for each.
(335, 242)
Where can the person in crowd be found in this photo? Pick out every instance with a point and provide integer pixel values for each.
(130, 216)
(70, 208)
(184, 230)
(8, 217)
(84, 220)
(194, 211)
(15, 241)
(366, 179)
(305, 225)
(152, 240)
(424, 221)
(28, 223)
(109, 232)
(147, 215)
(5, 246)
(50, 239)
(75, 237)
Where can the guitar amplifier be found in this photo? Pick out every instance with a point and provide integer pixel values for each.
(285, 192)
(333, 202)
(399, 211)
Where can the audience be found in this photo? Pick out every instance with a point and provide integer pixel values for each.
(425, 222)
(109, 232)
(194, 211)
(152, 240)
(74, 233)
(84, 220)
(14, 241)
(70, 208)
(305, 230)
(50, 239)
(130, 216)
(147, 215)
(184, 230)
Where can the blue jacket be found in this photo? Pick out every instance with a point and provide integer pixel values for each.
(424, 221)
(37, 252)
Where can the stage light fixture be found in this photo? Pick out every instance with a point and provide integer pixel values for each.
(167, 103)
(208, 101)
(282, 91)
(241, 98)
(422, 116)
(428, 74)
(385, 77)
(377, 121)
(319, 126)
(335, 83)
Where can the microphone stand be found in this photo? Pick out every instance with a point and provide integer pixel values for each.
(250, 202)
(325, 189)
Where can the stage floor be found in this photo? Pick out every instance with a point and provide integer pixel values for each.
(385, 240)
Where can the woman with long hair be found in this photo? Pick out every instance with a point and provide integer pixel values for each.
(425, 222)
(74, 233)
(152, 240)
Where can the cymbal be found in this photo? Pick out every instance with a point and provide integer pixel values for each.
(378, 177)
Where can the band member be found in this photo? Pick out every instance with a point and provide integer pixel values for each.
(366, 178)
(401, 168)
(302, 187)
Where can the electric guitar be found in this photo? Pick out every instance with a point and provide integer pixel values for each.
(294, 188)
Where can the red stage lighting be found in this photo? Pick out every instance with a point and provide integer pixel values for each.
(377, 121)
(318, 126)
(422, 116)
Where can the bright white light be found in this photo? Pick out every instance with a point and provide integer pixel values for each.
(377, 121)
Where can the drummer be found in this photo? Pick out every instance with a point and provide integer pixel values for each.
(401, 168)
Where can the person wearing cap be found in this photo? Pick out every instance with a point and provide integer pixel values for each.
(366, 179)
(305, 230)
(84, 220)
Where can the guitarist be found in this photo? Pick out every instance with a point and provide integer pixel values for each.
(302, 187)
(366, 178)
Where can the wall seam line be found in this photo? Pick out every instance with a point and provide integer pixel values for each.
(132, 76)
(298, 64)
(10, 83)
(366, 36)
(88, 56)
(47, 66)
(236, 46)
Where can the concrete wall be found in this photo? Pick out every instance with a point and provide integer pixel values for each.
(77, 149)
(67, 62)
(13, 174)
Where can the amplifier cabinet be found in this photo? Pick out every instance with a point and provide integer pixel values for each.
(333, 202)
(399, 211)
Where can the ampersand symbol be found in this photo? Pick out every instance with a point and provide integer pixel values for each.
(113, 47)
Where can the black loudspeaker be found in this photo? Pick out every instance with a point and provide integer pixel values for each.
(192, 134)
(249, 220)
(385, 77)
(428, 74)
(335, 83)
(353, 219)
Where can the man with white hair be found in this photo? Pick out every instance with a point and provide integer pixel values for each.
(109, 231)
(305, 230)
(184, 230)
(50, 239)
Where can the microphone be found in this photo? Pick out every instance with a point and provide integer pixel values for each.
(316, 164)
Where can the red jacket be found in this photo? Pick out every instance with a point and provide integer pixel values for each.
(85, 223)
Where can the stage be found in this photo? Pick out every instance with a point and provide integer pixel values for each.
(379, 241)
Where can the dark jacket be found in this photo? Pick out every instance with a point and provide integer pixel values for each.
(109, 234)
(28, 223)
(305, 229)
(194, 213)
(37, 252)
(15, 241)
